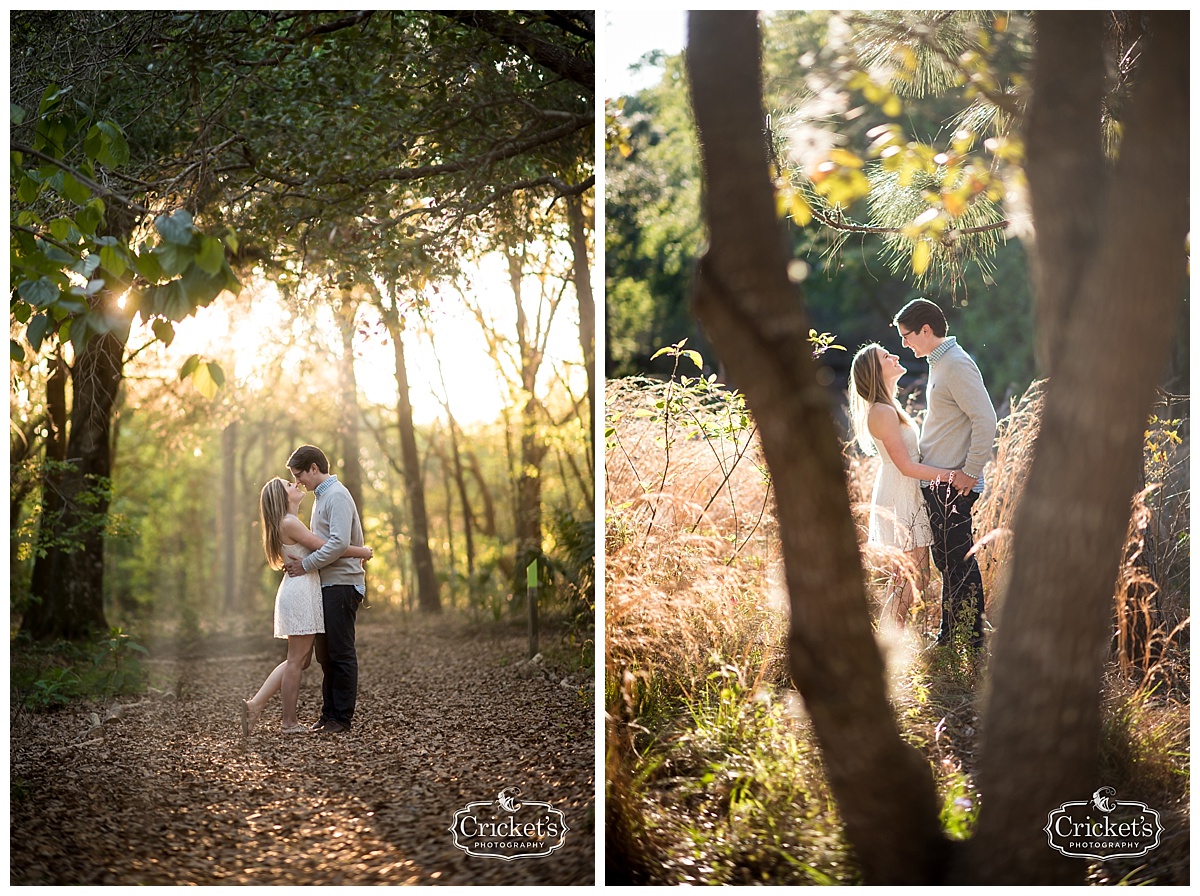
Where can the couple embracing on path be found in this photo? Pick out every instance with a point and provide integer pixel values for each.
(931, 475)
(318, 599)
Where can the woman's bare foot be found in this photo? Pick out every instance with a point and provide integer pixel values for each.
(296, 729)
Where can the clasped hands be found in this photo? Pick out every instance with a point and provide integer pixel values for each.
(959, 481)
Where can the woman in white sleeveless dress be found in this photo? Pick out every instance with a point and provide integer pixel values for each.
(299, 615)
(898, 515)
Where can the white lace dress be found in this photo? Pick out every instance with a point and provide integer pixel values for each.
(298, 607)
(898, 515)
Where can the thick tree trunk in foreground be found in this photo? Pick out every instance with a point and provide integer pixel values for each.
(69, 578)
(1042, 720)
(755, 319)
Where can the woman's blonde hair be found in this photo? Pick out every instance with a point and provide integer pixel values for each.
(868, 387)
(273, 507)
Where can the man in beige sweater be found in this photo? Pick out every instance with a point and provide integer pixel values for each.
(958, 433)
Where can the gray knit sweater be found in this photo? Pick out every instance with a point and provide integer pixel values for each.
(960, 425)
(335, 518)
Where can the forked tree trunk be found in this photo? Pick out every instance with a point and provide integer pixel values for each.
(754, 317)
(1042, 720)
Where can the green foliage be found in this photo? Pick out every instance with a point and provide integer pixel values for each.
(652, 224)
(46, 678)
(744, 796)
(38, 532)
(69, 262)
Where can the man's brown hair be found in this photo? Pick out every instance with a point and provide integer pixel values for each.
(920, 312)
(307, 455)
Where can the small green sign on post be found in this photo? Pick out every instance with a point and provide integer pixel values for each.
(531, 590)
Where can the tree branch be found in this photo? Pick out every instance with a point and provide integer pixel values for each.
(82, 178)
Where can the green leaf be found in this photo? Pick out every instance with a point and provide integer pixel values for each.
(164, 331)
(60, 229)
(176, 227)
(51, 98)
(189, 366)
(148, 265)
(75, 191)
(40, 292)
(15, 352)
(694, 357)
(202, 380)
(36, 331)
(200, 288)
(28, 188)
(211, 256)
(173, 259)
(115, 151)
(16, 114)
(88, 265)
(113, 260)
(88, 219)
(21, 312)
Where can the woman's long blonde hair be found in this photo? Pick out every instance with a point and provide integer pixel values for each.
(273, 507)
(868, 387)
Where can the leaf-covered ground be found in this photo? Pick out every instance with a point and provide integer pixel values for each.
(167, 791)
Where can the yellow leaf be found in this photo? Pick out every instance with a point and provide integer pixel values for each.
(892, 107)
(800, 210)
(845, 158)
(920, 257)
(954, 202)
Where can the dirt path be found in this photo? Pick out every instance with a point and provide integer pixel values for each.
(171, 793)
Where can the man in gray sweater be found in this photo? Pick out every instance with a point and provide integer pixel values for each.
(343, 584)
(958, 433)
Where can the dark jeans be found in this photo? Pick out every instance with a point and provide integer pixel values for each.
(962, 584)
(336, 654)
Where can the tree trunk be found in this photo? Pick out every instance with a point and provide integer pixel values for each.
(489, 505)
(1042, 719)
(587, 313)
(351, 464)
(754, 317)
(68, 592)
(533, 447)
(428, 600)
(1066, 170)
(52, 472)
(228, 512)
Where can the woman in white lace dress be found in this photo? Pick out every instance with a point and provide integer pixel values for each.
(298, 610)
(898, 515)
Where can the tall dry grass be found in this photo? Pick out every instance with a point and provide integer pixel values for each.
(690, 543)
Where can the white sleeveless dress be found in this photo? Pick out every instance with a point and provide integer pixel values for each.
(898, 515)
(298, 607)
